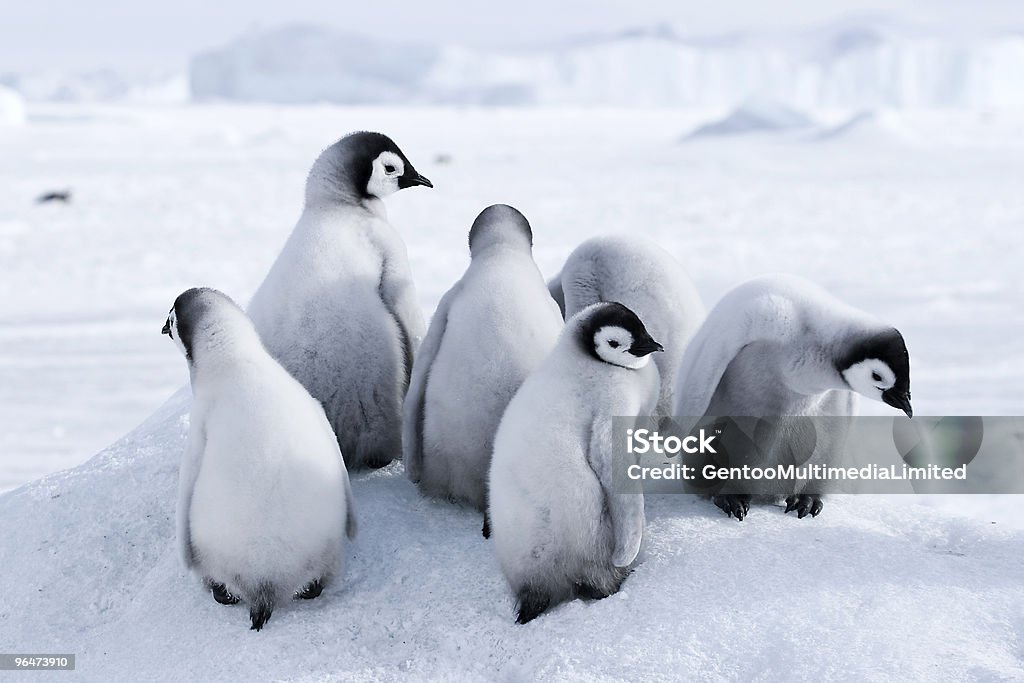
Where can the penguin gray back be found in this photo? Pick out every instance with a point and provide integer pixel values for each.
(490, 330)
(648, 280)
(777, 340)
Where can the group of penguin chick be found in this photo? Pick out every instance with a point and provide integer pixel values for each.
(501, 404)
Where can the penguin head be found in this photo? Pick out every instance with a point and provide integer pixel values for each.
(499, 224)
(198, 319)
(362, 166)
(878, 366)
(612, 333)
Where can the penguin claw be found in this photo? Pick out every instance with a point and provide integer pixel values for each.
(222, 595)
(804, 505)
(733, 505)
(311, 591)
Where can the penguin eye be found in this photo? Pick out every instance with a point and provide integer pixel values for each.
(614, 344)
(876, 377)
(388, 168)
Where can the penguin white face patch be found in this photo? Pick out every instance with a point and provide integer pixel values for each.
(388, 167)
(172, 332)
(870, 377)
(612, 344)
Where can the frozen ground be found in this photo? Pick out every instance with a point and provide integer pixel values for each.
(867, 591)
(916, 217)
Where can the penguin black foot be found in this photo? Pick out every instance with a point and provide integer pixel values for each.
(375, 461)
(531, 604)
(602, 587)
(804, 505)
(313, 590)
(221, 594)
(733, 504)
(260, 615)
(592, 592)
(486, 531)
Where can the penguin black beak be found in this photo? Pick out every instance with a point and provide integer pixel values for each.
(898, 399)
(644, 347)
(413, 179)
(167, 328)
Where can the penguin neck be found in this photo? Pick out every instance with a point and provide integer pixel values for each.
(489, 250)
(807, 372)
(325, 228)
(324, 207)
(328, 191)
(223, 350)
(794, 375)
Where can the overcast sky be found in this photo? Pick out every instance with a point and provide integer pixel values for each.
(85, 34)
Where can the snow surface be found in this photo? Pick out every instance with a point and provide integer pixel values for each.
(12, 108)
(926, 236)
(754, 117)
(101, 85)
(864, 63)
(867, 590)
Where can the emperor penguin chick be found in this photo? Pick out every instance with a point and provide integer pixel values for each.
(780, 346)
(648, 280)
(488, 333)
(560, 527)
(338, 308)
(263, 501)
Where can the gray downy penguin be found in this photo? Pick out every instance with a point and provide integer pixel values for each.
(338, 308)
(648, 280)
(560, 527)
(490, 330)
(780, 346)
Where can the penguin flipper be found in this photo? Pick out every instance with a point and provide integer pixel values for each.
(351, 525)
(625, 509)
(399, 297)
(187, 474)
(557, 293)
(413, 409)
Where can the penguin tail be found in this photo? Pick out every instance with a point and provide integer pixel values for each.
(261, 606)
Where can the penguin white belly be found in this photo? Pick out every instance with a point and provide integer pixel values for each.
(547, 506)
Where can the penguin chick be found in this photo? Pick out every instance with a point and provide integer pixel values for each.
(263, 500)
(488, 333)
(644, 277)
(780, 346)
(560, 528)
(338, 308)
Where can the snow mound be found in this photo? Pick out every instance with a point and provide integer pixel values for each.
(863, 127)
(12, 108)
(882, 589)
(754, 117)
